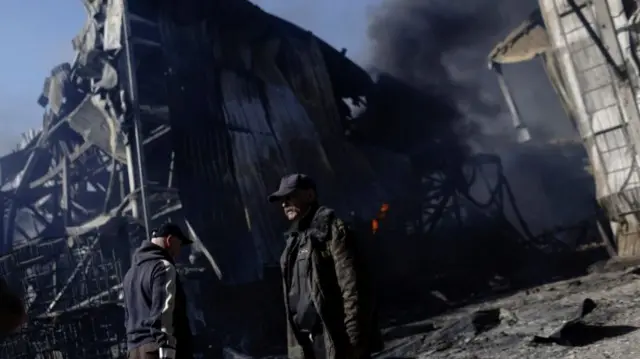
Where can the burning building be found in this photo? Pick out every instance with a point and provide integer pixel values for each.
(589, 52)
(184, 113)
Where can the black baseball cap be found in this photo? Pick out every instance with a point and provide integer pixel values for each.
(290, 183)
(171, 229)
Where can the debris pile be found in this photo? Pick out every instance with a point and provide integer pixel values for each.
(550, 321)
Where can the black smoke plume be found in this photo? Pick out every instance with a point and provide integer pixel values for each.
(434, 45)
(440, 47)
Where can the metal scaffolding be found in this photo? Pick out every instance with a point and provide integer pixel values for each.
(71, 203)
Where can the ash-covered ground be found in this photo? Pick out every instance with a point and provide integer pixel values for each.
(505, 327)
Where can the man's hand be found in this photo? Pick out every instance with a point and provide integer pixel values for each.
(167, 353)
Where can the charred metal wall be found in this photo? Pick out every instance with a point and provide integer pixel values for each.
(248, 104)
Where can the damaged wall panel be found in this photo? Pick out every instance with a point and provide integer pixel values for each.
(91, 120)
(304, 66)
(257, 160)
(590, 57)
(283, 118)
(204, 158)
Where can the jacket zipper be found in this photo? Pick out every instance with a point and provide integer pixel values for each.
(312, 268)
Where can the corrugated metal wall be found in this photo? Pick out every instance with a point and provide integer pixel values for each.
(249, 103)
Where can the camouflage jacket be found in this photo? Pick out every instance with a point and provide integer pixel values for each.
(338, 288)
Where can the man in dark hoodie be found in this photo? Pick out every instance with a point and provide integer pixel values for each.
(330, 310)
(155, 304)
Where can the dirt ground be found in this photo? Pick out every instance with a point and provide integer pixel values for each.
(534, 312)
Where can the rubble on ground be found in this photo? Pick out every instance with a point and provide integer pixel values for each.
(595, 316)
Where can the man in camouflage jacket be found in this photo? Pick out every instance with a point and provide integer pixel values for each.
(329, 307)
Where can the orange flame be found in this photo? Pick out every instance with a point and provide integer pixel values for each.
(384, 208)
(382, 213)
(374, 226)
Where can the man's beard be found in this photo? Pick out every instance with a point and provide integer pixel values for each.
(291, 213)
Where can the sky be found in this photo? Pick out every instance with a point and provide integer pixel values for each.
(35, 36)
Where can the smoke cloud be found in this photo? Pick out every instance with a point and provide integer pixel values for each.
(440, 47)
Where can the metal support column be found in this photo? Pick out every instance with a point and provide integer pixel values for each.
(135, 136)
(522, 132)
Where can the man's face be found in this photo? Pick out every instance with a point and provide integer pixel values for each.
(297, 203)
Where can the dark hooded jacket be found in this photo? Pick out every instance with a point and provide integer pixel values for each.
(155, 304)
(340, 293)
